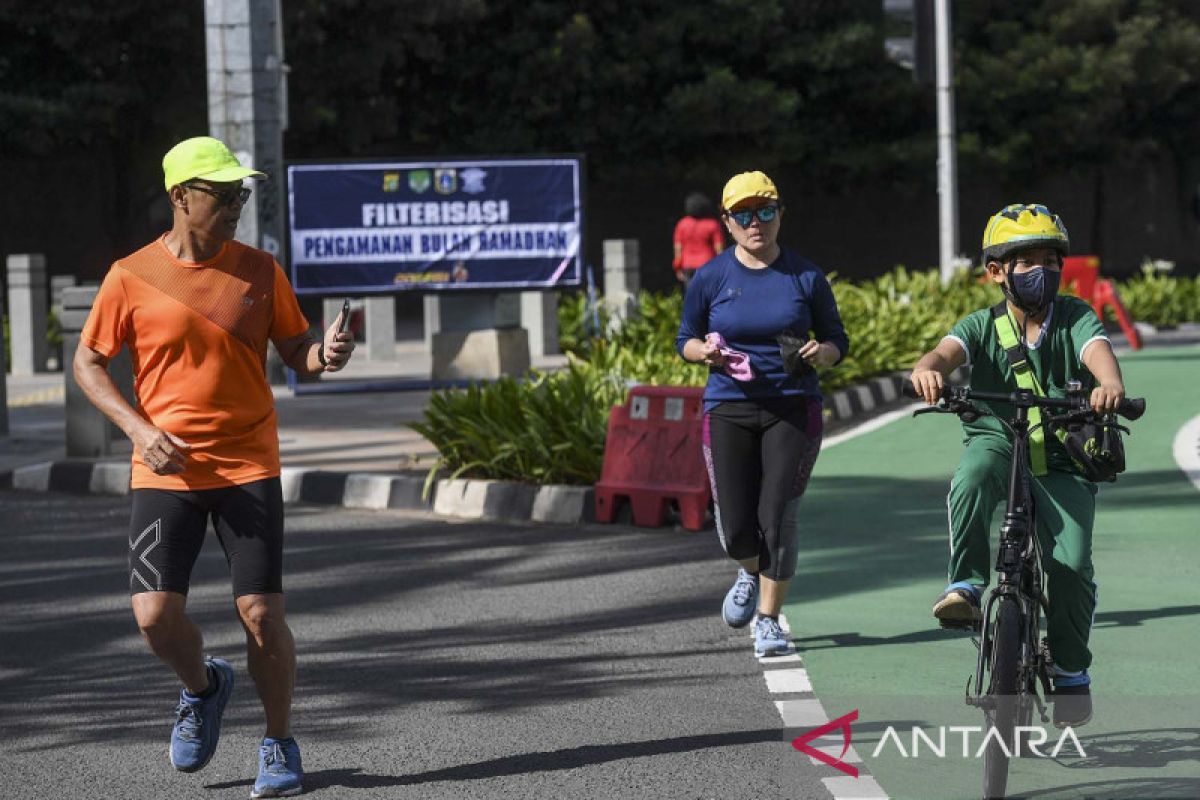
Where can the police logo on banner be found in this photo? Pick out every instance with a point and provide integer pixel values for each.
(391, 181)
(445, 181)
(473, 180)
(418, 181)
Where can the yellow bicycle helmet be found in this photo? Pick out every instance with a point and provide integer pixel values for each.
(1020, 227)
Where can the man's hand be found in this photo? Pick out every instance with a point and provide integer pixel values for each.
(1107, 396)
(162, 452)
(338, 347)
(928, 384)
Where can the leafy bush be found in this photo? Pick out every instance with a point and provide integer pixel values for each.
(547, 429)
(1160, 299)
(895, 318)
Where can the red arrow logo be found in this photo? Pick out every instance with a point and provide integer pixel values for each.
(801, 743)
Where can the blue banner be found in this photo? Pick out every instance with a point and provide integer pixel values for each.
(468, 224)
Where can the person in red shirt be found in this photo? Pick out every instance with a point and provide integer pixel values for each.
(196, 309)
(698, 237)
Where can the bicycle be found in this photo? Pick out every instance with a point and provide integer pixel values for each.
(1013, 658)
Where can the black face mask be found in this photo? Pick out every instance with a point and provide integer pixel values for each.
(1034, 290)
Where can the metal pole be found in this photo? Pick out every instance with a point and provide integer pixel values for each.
(947, 163)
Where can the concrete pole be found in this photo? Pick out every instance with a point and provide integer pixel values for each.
(247, 109)
(88, 432)
(622, 278)
(539, 316)
(947, 162)
(3, 393)
(380, 321)
(247, 97)
(27, 303)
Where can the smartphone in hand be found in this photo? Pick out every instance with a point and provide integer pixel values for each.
(344, 325)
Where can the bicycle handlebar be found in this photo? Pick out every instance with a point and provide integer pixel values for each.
(1129, 408)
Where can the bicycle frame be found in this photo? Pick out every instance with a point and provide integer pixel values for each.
(1019, 576)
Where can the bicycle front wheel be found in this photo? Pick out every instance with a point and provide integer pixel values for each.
(1003, 691)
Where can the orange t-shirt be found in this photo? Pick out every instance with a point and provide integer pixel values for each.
(197, 333)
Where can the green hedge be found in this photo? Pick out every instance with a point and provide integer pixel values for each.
(550, 428)
(1160, 299)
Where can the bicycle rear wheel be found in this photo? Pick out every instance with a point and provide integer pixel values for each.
(1003, 690)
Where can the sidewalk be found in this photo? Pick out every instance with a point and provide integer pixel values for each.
(340, 431)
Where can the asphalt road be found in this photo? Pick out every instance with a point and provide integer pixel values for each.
(435, 660)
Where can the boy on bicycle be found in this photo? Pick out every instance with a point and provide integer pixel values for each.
(1062, 340)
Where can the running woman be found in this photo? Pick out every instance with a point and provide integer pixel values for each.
(762, 424)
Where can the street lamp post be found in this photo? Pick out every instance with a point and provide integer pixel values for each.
(947, 160)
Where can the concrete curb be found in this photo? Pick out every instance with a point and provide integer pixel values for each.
(461, 498)
(467, 499)
(856, 401)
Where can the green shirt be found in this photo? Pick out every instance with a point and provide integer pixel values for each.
(1055, 359)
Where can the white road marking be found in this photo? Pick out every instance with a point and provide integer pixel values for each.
(806, 713)
(1186, 449)
(781, 681)
(870, 425)
(863, 787)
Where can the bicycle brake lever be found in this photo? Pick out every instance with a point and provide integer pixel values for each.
(929, 410)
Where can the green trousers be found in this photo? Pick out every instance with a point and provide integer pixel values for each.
(1065, 506)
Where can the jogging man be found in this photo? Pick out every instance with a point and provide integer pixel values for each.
(196, 309)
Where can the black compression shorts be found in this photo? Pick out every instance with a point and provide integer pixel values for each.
(167, 529)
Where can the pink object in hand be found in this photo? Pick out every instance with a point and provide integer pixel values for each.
(737, 363)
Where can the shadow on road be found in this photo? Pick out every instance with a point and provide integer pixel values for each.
(527, 763)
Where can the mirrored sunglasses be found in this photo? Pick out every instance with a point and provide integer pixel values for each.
(744, 217)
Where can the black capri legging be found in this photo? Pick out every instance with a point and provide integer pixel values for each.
(760, 454)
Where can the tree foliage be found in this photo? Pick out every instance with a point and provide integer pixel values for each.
(77, 76)
(635, 85)
(1044, 87)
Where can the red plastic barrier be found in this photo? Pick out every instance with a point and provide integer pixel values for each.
(653, 456)
(1084, 272)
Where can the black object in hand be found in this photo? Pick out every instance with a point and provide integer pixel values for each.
(789, 349)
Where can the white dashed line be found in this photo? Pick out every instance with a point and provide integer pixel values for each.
(783, 681)
(863, 787)
(805, 713)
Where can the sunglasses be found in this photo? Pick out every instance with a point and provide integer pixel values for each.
(765, 214)
(228, 197)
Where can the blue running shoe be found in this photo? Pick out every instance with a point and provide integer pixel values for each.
(279, 770)
(769, 638)
(741, 600)
(198, 720)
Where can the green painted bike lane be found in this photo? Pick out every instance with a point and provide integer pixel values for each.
(873, 557)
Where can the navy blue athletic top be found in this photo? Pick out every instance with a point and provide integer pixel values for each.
(750, 307)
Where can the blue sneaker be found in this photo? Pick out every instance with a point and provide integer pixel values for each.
(741, 600)
(198, 720)
(279, 770)
(769, 638)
